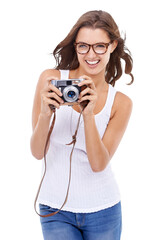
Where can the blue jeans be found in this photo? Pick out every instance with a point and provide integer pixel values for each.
(101, 225)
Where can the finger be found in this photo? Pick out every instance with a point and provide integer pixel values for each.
(51, 88)
(87, 97)
(87, 91)
(54, 96)
(89, 83)
(49, 79)
(84, 79)
(54, 89)
(49, 101)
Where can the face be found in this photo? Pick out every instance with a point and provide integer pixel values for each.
(92, 63)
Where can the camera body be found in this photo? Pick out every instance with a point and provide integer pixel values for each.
(69, 88)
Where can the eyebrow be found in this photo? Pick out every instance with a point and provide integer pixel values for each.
(92, 44)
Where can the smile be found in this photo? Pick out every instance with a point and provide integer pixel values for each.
(92, 62)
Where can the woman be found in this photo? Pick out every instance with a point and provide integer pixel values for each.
(92, 51)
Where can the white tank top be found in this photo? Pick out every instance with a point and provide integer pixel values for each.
(89, 191)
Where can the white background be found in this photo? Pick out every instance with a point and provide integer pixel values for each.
(29, 32)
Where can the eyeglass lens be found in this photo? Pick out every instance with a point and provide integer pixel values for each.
(99, 48)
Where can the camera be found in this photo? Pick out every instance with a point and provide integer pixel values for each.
(69, 88)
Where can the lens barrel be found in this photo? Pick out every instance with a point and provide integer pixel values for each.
(70, 94)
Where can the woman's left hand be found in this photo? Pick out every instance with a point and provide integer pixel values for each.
(89, 94)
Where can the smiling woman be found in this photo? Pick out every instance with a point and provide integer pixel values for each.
(104, 27)
(91, 53)
(97, 54)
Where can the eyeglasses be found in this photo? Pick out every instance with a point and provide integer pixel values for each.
(98, 48)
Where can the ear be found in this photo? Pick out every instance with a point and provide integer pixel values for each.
(114, 45)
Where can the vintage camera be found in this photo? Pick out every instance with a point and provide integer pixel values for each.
(69, 89)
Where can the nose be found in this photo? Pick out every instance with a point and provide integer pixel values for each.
(91, 52)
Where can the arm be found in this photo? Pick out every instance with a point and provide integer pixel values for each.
(100, 151)
(41, 113)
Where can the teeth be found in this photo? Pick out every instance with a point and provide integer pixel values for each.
(92, 62)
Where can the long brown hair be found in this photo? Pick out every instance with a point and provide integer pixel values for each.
(66, 56)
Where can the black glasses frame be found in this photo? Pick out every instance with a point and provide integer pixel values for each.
(92, 45)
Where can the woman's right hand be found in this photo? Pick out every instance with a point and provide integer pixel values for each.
(50, 95)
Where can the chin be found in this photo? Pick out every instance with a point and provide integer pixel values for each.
(94, 72)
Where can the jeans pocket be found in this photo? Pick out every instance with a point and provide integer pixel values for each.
(43, 207)
(46, 208)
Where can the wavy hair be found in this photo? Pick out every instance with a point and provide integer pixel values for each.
(66, 56)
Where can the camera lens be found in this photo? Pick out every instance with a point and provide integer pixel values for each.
(71, 94)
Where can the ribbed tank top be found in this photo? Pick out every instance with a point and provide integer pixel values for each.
(89, 191)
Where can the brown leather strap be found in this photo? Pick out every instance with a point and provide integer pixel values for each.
(47, 141)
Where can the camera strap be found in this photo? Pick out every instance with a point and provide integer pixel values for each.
(45, 165)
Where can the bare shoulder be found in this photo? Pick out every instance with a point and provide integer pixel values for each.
(122, 103)
(47, 75)
(123, 100)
